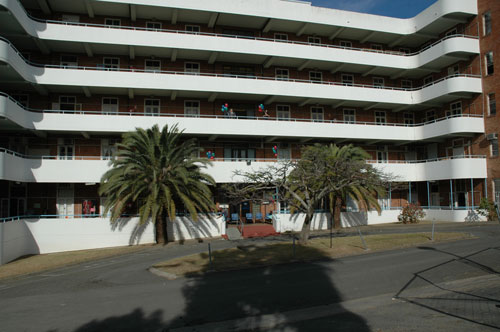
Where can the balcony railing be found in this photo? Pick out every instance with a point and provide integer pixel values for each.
(247, 160)
(184, 32)
(250, 77)
(258, 118)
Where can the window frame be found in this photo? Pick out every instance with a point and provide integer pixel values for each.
(318, 79)
(281, 76)
(349, 115)
(153, 23)
(152, 113)
(346, 82)
(191, 110)
(280, 36)
(491, 101)
(111, 66)
(317, 113)
(380, 117)
(103, 103)
(192, 71)
(152, 68)
(192, 28)
(113, 21)
(314, 40)
(380, 84)
(489, 65)
(494, 148)
(406, 86)
(487, 28)
(345, 44)
(283, 109)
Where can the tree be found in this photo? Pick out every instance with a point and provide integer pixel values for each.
(351, 177)
(322, 172)
(157, 171)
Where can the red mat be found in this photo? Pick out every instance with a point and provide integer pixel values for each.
(259, 230)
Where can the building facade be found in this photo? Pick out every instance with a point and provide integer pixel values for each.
(418, 94)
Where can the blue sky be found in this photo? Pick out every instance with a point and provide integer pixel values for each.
(394, 8)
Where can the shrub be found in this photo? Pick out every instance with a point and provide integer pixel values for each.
(487, 209)
(411, 213)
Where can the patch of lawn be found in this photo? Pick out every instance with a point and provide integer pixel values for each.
(44, 262)
(316, 249)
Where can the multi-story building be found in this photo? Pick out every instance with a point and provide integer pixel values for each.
(418, 94)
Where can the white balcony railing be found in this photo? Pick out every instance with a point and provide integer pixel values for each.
(89, 169)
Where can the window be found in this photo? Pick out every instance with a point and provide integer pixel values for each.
(314, 40)
(192, 67)
(109, 105)
(377, 47)
(317, 114)
(69, 61)
(111, 63)
(453, 70)
(70, 18)
(349, 115)
(455, 109)
(280, 36)
(430, 115)
(315, 76)
(112, 21)
(284, 152)
(238, 70)
(282, 74)
(406, 84)
(409, 118)
(67, 103)
(108, 148)
(65, 149)
(490, 69)
(347, 79)
(380, 117)
(428, 80)
(452, 32)
(153, 25)
(492, 105)
(404, 50)
(344, 43)
(193, 28)
(151, 106)
(283, 112)
(152, 65)
(487, 23)
(378, 82)
(22, 99)
(192, 108)
(494, 147)
(382, 154)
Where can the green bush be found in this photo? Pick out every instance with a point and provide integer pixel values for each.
(487, 209)
(411, 214)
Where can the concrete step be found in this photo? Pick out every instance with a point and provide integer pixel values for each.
(233, 233)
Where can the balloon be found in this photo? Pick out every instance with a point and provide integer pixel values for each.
(275, 154)
(226, 105)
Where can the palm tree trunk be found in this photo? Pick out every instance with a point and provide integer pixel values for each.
(161, 230)
(336, 217)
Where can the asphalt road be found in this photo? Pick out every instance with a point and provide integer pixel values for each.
(451, 286)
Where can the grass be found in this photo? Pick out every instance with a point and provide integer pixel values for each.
(39, 263)
(316, 249)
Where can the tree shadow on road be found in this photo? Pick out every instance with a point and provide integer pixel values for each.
(267, 297)
(475, 299)
(135, 321)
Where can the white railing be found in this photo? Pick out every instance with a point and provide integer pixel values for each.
(258, 118)
(250, 77)
(294, 42)
(24, 156)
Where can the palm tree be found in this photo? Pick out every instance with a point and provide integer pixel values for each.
(361, 182)
(157, 171)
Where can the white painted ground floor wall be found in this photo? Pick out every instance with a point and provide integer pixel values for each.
(321, 221)
(42, 236)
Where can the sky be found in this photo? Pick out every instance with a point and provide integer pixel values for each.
(394, 8)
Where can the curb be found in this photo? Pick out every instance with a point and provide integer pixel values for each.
(159, 273)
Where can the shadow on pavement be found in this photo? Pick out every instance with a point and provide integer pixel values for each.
(247, 300)
(474, 298)
(135, 321)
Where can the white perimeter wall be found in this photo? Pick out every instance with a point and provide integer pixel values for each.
(321, 221)
(42, 236)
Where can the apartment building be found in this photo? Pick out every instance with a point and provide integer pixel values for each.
(418, 94)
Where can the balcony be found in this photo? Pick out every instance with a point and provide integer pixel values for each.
(204, 125)
(252, 87)
(16, 167)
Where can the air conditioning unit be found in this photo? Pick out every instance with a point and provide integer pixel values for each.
(491, 137)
